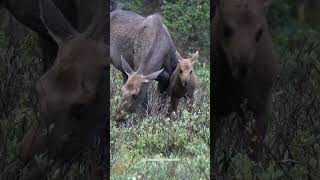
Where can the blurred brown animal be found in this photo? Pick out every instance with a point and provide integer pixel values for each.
(244, 66)
(183, 82)
(73, 108)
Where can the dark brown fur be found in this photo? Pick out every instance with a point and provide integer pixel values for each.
(244, 65)
(183, 82)
(73, 108)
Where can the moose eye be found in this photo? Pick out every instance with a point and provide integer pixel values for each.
(191, 72)
(259, 34)
(181, 71)
(227, 31)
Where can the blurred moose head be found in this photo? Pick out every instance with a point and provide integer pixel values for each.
(241, 26)
(72, 93)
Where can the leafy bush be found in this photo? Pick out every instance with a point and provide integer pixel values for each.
(187, 21)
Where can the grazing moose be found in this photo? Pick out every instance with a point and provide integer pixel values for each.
(27, 12)
(73, 108)
(244, 66)
(182, 82)
(148, 52)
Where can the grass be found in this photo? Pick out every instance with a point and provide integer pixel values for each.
(183, 140)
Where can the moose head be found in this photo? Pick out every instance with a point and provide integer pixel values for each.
(134, 91)
(72, 93)
(186, 68)
(241, 28)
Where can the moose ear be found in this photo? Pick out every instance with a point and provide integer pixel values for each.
(126, 67)
(98, 26)
(178, 56)
(152, 76)
(57, 25)
(195, 57)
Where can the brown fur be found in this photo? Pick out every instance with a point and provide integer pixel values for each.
(73, 108)
(146, 46)
(183, 82)
(244, 65)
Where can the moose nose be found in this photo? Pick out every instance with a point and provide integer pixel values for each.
(240, 70)
(184, 83)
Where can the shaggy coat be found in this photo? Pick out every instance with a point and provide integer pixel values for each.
(183, 82)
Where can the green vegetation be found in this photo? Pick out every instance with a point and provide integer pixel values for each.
(187, 21)
(184, 137)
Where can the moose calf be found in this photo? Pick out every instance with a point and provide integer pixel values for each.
(244, 66)
(182, 82)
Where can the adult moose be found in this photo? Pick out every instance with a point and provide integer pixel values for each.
(27, 12)
(244, 65)
(73, 108)
(148, 53)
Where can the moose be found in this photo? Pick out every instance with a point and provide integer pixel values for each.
(73, 108)
(182, 82)
(77, 12)
(142, 49)
(244, 67)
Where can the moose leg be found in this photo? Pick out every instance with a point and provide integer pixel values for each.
(163, 83)
(145, 106)
(174, 102)
(258, 134)
(163, 80)
(261, 106)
